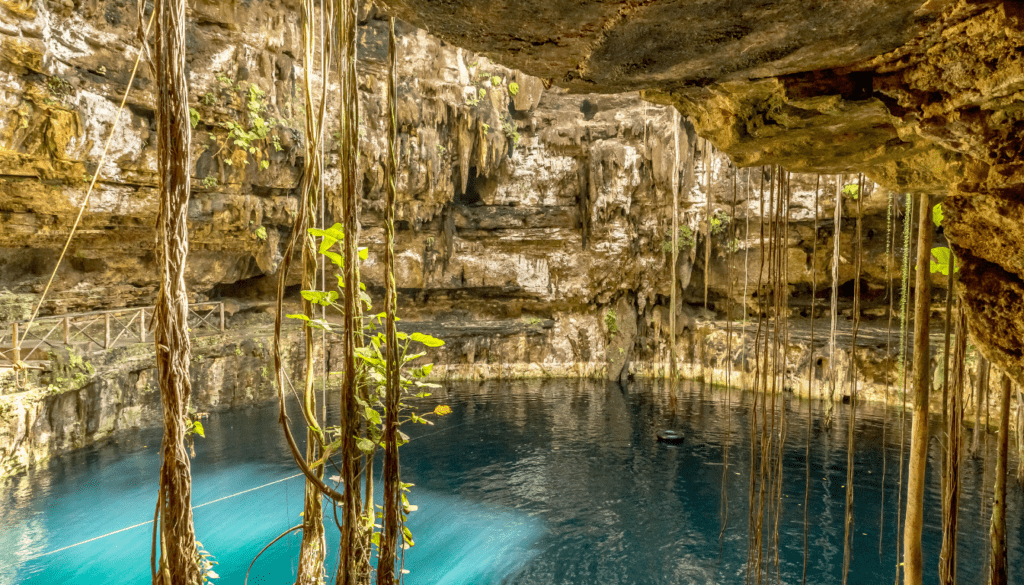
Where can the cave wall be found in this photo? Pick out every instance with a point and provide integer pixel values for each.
(925, 96)
(526, 206)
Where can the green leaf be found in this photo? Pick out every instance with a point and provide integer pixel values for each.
(941, 258)
(426, 340)
(365, 445)
(335, 258)
(298, 316)
(427, 369)
(364, 253)
(937, 215)
(198, 428)
(372, 415)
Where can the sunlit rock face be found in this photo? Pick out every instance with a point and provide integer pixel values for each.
(923, 96)
(517, 203)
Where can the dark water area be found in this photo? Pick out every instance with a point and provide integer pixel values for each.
(556, 481)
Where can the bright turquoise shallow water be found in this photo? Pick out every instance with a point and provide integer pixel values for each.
(557, 482)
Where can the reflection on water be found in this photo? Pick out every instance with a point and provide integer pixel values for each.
(530, 482)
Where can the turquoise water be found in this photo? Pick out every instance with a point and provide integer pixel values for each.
(557, 482)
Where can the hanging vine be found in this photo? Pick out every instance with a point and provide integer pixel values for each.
(174, 534)
(914, 522)
(852, 422)
(392, 489)
(810, 379)
(832, 366)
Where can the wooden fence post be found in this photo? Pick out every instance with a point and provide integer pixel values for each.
(67, 330)
(106, 332)
(221, 317)
(17, 355)
(142, 325)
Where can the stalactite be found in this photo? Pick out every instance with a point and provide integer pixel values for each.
(998, 567)
(852, 421)
(912, 526)
(954, 458)
(178, 558)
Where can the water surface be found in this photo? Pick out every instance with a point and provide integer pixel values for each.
(558, 482)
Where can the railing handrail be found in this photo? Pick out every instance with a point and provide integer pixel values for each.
(7, 324)
(10, 328)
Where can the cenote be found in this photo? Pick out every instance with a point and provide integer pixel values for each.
(554, 481)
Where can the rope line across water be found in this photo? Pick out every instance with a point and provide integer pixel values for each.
(146, 523)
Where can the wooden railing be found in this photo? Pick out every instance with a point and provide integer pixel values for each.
(97, 330)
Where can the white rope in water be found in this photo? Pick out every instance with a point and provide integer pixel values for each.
(62, 549)
(148, 522)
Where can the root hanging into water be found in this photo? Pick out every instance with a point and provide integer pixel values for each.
(852, 422)
(810, 379)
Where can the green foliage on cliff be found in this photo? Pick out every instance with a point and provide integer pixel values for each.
(513, 89)
(719, 222)
(611, 321)
(685, 241)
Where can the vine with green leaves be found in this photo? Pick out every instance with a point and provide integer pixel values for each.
(371, 376)
(247, 139)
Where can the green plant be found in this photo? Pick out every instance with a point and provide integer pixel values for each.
(685, 241)
(851, 190)
(261, 233)
(210, 182)
(208, 99)
(206, 564)
(940, 260)
(441, 150)
(193, 117)
(937, 215)
(531, 321)
(511, 130)
(513, 89)
(611, 321)
(238, 350)
(59, 87)
(495, 81)
(482, 93)
(486, 128)
(734, 246)
(372, 372)
(257, 129)
(225, 80)
(719, 222)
